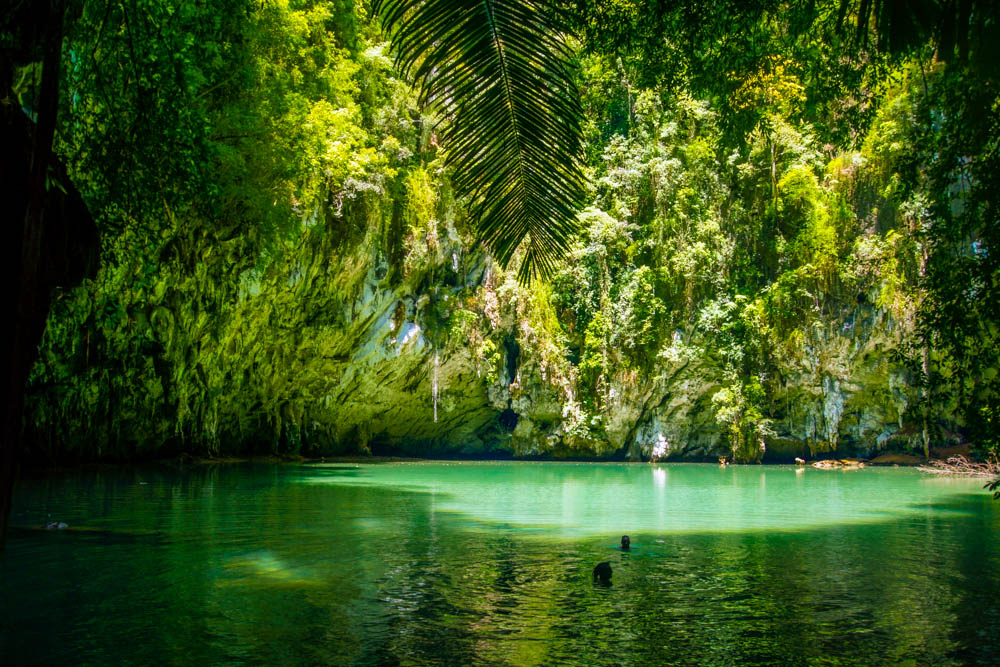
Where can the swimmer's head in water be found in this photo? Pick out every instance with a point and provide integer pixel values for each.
(602, 573)
(626, 543)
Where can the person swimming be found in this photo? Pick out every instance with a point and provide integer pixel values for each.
(626, 543)
(602, 574)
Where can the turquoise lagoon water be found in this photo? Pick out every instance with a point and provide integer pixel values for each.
(490, 563)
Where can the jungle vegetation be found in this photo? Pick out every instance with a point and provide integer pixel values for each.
(630, 171)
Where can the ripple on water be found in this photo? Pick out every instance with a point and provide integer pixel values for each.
(491, 564)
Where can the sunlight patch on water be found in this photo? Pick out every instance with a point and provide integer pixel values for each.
(575, 499)
(265, 567)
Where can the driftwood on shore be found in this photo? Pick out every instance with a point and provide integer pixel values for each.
(960, 465)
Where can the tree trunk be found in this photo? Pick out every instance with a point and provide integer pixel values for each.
(31, 305)
(925, 434)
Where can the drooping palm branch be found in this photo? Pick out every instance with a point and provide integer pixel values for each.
(497, 71)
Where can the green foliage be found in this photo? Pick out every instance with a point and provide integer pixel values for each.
(746, 243)
(231, 203)
(489, 356)
(953, 206)
(497, 71)
(737, 412)
(642, 312)
(259, 170)
(594, 359)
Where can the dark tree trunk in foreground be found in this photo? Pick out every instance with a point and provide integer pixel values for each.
(50, 238)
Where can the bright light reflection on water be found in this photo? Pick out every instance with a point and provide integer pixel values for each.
(578, 499)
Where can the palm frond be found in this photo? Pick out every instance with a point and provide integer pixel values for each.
(497, 71)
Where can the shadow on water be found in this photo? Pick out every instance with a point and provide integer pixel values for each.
(245, 565)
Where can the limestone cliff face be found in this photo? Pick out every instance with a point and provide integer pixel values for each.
(398, 378)
(335, 349)
(841, 389)
(836, 388)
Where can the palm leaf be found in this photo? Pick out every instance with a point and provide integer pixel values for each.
(497, 71)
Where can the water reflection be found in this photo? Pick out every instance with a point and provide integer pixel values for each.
(578, 500)
(250, 564)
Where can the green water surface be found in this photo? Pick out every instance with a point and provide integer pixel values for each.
(490, 563)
